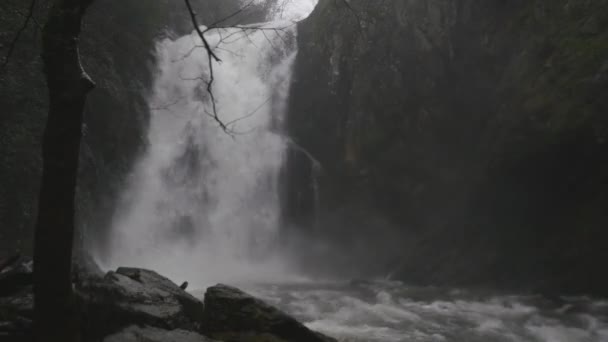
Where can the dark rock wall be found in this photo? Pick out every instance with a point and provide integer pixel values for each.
(477, 130)
(117, 46)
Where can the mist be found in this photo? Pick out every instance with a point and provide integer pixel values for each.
(303, 170)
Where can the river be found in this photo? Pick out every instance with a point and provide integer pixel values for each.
(384, 311)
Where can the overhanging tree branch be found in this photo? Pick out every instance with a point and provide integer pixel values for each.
(212, 56)
(200, 33)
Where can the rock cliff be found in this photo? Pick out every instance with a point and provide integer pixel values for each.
(477, 130)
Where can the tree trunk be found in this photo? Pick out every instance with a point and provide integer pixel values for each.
(68, 85)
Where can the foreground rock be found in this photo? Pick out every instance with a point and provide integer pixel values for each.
(149, 334)
(231, 315)
(140, 305)
(16, 299)
(16, 313)
(15, 274)
(137, 296)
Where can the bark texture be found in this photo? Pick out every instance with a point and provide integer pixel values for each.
(68, 86)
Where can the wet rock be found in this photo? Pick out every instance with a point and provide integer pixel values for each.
(21, 303)
(441, 79)
(134, 304)
(16, 275)
(16, 314)
(231, 315)
(15, 326)
(4, 263)
(149, 334)
(154, 280)
(137, 296)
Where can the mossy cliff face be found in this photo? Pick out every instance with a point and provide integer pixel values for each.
(478, 128)
(117, 47)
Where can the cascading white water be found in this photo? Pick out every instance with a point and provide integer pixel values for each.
(203, 204)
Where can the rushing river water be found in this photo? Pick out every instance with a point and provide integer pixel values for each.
(392, 312)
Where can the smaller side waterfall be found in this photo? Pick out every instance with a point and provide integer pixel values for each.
(203, 204)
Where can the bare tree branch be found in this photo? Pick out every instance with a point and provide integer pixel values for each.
(239, 11)
(212, 56)
(250, 114)
(166, 106)
(189, 53)
(200, 33)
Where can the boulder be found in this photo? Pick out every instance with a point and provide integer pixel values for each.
(191, 305)
(16, 314)
(20, 303)
(139, 305)
(232, 315)
(16, 298)
(15, 274)
(150, 334)
(137, 296)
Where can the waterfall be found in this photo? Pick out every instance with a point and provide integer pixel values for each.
(202, 204)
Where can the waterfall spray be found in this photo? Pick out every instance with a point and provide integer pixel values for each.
(203, 203)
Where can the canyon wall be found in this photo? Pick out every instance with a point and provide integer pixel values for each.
(470, 134)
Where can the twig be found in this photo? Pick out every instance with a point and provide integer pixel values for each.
(250, 114)
(211, 56)
(167, 105)
(240, 10)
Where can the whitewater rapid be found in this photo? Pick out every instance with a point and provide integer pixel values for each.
(393, 312)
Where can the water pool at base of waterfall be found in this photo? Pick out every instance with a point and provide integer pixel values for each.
(393, 312)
